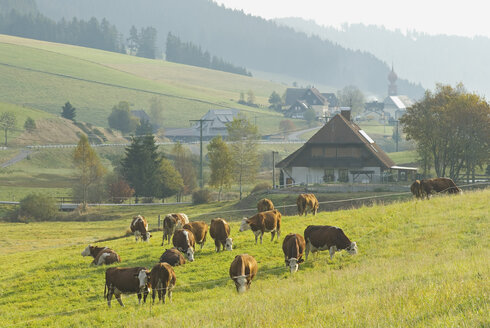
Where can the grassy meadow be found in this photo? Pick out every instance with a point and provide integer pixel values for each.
(420, 264)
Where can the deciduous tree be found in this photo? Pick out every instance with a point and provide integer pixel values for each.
(183, 164)
(121, 118)
(286, 126)
(7, 123)
(221, 164)
(352, 97)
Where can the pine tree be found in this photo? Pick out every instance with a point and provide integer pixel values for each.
(68, 111)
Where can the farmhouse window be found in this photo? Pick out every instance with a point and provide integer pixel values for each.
(343, 175)
(328, 175)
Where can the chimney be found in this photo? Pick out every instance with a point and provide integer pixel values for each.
(345, 112)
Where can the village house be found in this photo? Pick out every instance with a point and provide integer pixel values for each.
(298, 100)
(340, 152)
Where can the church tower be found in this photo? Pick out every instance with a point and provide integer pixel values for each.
(392, 77)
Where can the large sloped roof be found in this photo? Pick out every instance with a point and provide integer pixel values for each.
(340, 131)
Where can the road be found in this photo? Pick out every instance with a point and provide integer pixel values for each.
(20, 156)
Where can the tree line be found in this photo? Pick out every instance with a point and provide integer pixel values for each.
(191, 54)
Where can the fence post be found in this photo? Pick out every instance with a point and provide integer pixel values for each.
(158, 221)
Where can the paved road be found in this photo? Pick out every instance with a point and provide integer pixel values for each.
(294, 136)
(20, 156)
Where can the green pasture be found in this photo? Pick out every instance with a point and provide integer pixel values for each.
(420, 264)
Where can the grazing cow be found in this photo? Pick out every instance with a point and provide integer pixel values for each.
(173, 257)
(139, 227)
(320, 238)
(126, 280)
(265, 205)
(162, 279)
(293, 247)
(171, 222)
(269, 221)
(242, 270)
(220, 232)
(101, 255)
(305, 202)
(415, 189)
(437, 185)
(184, 241)
(199, 229)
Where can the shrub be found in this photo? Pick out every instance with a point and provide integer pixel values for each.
(38, 207)
(263, 186)
(201, 196)
(119, 191)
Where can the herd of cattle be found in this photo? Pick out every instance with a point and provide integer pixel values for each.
(186, 234)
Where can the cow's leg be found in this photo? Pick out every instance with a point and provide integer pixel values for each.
(217, 245)
(139, 298)
(257, 233)
(273, 233)
(145, 294)
(109, 295)
(261, 236)
(278, 234)
(163, 291)
(332, 251)
(307, 250)
(117, 293)
(170, 293)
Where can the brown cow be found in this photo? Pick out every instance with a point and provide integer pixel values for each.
(199, 229)
(171, 222)
(320, 238)
(305, 202)
(415, 189)
(220, 232)
(101, 255)
(173, 257)
(265, 205)
(269, 221)
(162, 280)
(126, 280)
(437, 185)
(184, 241)
(242, 270)
(139, 227)
(293, 247)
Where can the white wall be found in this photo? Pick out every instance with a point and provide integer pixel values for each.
(312, 175)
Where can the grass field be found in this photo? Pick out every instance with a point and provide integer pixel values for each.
(45, 75)
(420, 264)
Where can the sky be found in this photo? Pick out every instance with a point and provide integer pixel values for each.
(453, 17)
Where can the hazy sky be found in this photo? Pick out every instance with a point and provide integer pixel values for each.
(467, 18)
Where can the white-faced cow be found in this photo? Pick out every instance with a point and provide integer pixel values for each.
(184, 241)
(162, 280)
(126, 280)
(269, 221)
(173, 257)
(320, 238)
(305, 202)
(242, 270)
(171, 222)
(293, 247)
(265, 205)
(200, 231)
(139, 227)
(220, 232)
(101, 255)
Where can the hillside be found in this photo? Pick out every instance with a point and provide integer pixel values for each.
(452, 59)
(45, 75)
(247, 41)
(420, 264)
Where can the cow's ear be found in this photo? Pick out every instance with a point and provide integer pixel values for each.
(301, 261)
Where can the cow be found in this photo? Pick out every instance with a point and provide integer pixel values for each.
(162, 280)
(171, 222)
(269, 221)
(220, 232)
(184, 241)
(101, 255)
(173, 257)
(139, 227)
(242, 270)
(293, 247)
(415, 189)
(265, 205)
(199, 229)
(320, 238)
(126, 280)
(305, 202)
(437, 185)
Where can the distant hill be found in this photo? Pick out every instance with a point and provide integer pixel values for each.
(416, 56)
(245, 40)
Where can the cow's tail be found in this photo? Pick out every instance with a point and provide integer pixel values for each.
(105, 289)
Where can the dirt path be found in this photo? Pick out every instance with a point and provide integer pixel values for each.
(20, 156)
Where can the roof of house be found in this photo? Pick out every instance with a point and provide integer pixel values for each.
(332, 99)
(218, 118)
(293, 94)
(401, 102)
(341, 131)
(141, 114)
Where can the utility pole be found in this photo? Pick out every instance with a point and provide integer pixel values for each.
(396, 134)
(201, 179)
(274, 169)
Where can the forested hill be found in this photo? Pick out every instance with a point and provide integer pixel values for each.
(416, 56)
(245, 40)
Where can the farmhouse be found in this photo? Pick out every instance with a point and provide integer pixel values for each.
(299, 100)
(340, 152)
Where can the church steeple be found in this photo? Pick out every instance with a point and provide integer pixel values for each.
(392, 77)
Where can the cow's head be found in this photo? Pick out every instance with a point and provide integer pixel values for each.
(190, 254)
(146, 236)
(143, 276)
(241, 283)
(229, 244)
(293, 264)
(244, 225)
(86, 251)
(352, 249)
